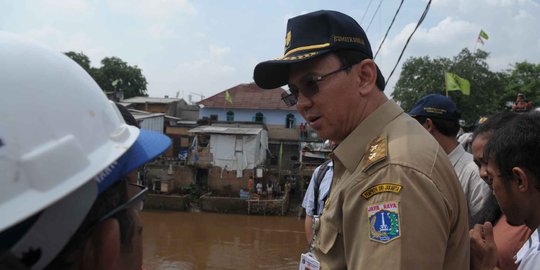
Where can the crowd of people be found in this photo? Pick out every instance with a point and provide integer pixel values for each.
(401, 192)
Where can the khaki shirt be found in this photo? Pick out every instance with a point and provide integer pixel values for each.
(395, 201)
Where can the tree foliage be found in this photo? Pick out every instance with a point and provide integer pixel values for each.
(81, 59)
(114, 75)
(524, 78)
(490, 91)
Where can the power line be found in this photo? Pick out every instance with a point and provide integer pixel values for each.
(365, 12)
(373, 17)
(389, 27)
(409, 39)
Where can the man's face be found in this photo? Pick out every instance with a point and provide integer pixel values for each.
(133, 255)
(506, 193)
(337, 108)
(478, 155)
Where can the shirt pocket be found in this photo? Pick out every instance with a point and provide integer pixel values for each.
(327, 238)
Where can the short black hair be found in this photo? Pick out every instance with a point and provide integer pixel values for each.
(351, 57)
(516, 145)
(128, 117)
(444, 126)
(493, 123)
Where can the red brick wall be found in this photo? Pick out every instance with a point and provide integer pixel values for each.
(182, 175)
(227, 182)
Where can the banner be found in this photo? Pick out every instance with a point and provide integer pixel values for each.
(228, 97)
(482, 36)
(455, 83)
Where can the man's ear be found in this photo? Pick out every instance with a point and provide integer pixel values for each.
(523, 179)
(103, 246)
(429, 125)
(366, 71)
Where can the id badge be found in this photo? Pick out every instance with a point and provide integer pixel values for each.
(309, 262)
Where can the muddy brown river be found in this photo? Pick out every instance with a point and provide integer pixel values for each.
(191, 240)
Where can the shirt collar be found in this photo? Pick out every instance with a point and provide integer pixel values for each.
(351, 150)
(456, 154)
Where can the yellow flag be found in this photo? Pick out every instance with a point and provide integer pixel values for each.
(483, 34)
(228, 97)
(455, 83)
(280, 152)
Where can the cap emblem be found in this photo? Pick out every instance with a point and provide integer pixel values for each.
(287, 40)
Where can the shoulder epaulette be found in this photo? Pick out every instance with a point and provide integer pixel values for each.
(377, 151)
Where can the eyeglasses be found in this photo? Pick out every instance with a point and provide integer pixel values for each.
(309, 87)
(136, 201)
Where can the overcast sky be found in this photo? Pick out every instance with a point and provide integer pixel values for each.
(204, 47)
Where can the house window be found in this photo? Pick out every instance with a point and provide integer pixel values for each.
(290, 121)
(230, 116)
(214, 117)
(259, 117)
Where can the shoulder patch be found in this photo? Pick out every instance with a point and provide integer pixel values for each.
(377, 151)
(386, 187)
(384, 221)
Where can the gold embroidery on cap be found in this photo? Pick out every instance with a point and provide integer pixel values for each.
(482, 120)
(370, 192)
(297, 57)
(434, 110)
(288, 39)
(358, 40)
(310, 47)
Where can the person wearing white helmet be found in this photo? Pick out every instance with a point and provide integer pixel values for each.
(65, 153)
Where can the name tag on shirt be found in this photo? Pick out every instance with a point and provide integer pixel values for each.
(309, 262)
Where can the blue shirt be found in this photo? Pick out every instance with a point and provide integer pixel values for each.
(324, 188)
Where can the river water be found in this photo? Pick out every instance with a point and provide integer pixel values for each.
(191, 240)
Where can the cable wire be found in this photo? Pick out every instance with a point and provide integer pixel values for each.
(409, 39)
(365, 12)
(373, 17)
(388, 30)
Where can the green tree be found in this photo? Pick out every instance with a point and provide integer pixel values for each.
(523, 78)
(419, 76)
(81, 59)
(117, 75)
(422, 76)
(114, 75)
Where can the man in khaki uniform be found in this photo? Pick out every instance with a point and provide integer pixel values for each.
(395, 201)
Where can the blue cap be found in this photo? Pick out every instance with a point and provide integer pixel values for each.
(436, 106)
(149, 145)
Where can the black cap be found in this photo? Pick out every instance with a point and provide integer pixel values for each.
(312, 35)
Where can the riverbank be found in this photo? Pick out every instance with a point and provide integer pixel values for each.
(288, 205)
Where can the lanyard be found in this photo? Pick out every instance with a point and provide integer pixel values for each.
(315, 229)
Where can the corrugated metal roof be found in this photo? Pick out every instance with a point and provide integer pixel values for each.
(143, 114)
(225, 130)
(186, 122)
(168, 117)
(150, 100)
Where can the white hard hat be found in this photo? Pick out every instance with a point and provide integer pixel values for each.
(57, 128)
(58, 134)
